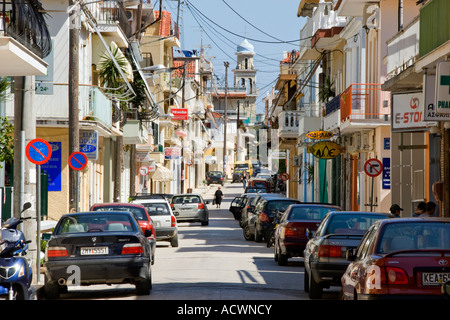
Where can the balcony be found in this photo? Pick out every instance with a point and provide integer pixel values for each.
(112, 21)
(363, 106)
(52, 108)
(288, 124)
(24, 39)
(402, 53)
(310, 119)
(332, 118)
(324, 27)
(351, 8)
(134, 130)
(434, 35)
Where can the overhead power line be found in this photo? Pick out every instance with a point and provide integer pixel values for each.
(189, 4)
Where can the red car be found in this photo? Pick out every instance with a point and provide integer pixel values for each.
(400, 258)
(140, 214)
(290, 235)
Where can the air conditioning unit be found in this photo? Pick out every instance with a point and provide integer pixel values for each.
(297, 160)
(130, 15)
(367, 138)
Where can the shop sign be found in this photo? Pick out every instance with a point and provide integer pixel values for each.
(319, 135)
(179, 114)
(443, 87)
(325, 150)
(431, 114)
(408, 111)
(172, 153)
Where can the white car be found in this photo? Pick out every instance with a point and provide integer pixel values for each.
(165, 223)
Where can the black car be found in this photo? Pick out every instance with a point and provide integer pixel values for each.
(241, 204)
(97, 248)
(325, 252)
(214, 177)
(265, 211)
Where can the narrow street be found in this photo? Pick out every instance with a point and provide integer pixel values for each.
(213, 262)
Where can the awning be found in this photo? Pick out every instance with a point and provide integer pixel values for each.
(161, 174)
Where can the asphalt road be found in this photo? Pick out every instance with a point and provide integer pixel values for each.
(213, 262)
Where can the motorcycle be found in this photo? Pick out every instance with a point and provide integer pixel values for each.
(15, 269)
(273, 228)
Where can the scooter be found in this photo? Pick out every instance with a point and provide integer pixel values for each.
(15, 270)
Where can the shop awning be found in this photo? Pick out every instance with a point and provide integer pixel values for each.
(162, 174)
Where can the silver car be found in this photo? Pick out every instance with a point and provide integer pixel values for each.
(190, 207)
(163, 219)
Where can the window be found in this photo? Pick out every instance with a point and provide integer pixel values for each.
(365, 243)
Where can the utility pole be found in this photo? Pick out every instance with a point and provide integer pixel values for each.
(226, 64)
(183, 101)
(74, 39)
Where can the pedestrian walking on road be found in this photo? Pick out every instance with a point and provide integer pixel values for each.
(244, 178)
(218, 196)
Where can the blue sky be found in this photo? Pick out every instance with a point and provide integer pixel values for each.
(223, 29)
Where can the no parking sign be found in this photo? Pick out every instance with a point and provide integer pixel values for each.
(38, 151)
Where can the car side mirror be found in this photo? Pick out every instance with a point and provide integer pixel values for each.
(148, 233)
(309, 233)
(350, 254)
(446, 289)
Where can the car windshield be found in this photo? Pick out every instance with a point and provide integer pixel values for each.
(280, 205)
(352, 223)
(414, 236)
(259, 184)
(138, 213)
(215, 174)
(101, 222)
(157, 209)
(309, 213)
(241, 166)
(255, 190)
(185, 199)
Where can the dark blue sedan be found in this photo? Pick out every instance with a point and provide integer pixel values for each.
(97, 248)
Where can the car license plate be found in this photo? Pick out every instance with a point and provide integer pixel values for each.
(435, 278)
(89, 251)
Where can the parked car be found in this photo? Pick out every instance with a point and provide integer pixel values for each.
(265, 211)
(166, 196)
(400, 258)
(290, 234)
(325, 253)
(214, 177)
(163, 219)
(139, 212)
(255, 190)
(260, 184)
(249, 216)
(106, 248)
(190, 207)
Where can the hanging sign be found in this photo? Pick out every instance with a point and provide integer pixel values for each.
(442, 103)
(325, 150)
(319, 135)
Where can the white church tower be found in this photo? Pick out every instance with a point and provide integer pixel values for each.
(245, 76)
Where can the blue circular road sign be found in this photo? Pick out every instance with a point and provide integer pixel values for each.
(38, 151)
(78, 161)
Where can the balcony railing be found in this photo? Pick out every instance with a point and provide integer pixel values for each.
(403, 49)
(364, 101)
(111, 13)
(25, 22)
